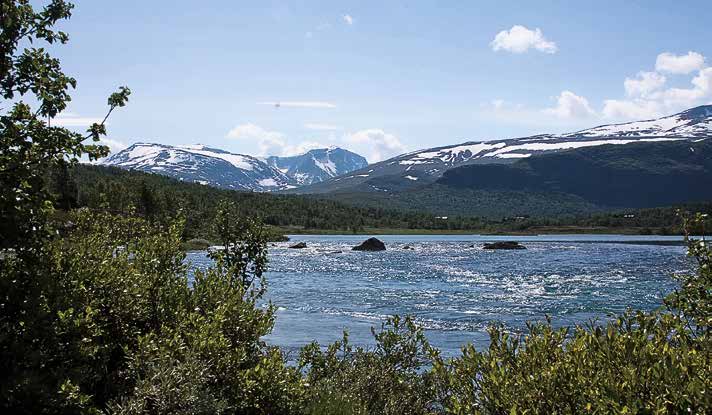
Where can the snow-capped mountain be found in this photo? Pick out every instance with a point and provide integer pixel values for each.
(201, 164)
(318, 165)
(695, 122)
(220, 168)
(424, 166)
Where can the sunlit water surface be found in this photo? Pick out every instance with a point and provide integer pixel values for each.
(454, 288)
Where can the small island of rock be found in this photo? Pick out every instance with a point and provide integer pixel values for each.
(370, 244)
(504, 245)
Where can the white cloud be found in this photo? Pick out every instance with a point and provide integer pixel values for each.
(644, 84)
(73, 121)
(658, 102)
(498, 104)
(679, 64)
(636, 109)
(321, 127)
(299, 104)
(271, 143)
(375, 144)
(570, 105)
(268, 142)
(302, 148)
(519, 39)
(114, 145)
(348, 19)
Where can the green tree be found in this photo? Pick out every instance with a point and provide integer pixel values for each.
(29, 143)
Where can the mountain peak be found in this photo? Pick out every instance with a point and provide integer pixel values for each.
(319, 164)
(208, 165)
(692, 123)
(697, 113)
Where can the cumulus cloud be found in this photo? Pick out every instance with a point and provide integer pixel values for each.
(321, 127)
(375, 144)
(498, 104)
(299, 104)
(644, 84)
(648, 98)
(679, 64)
(348, 19)
(268, 142)
(114, 145)
(636, 109)
(569, 105)
(271, 143)
(519, 39)
(302, 148)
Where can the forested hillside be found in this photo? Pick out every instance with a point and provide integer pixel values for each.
(161, 199)
(634, 175)
(154, 196)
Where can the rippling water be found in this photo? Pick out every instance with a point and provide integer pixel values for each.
(454, 288)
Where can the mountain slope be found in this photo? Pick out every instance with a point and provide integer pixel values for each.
(220, 168)
(201, 164)
(635, 175)
(418, 168)
(318, 165)
(695, 122)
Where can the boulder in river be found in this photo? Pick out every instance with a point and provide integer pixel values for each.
(299, 245)
(370, 244)
(408, 247)
(504, 245)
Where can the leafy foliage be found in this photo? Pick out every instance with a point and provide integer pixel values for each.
(29, 143)
(391, 379)
(98, 316)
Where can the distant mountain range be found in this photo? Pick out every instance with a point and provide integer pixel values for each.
(639, 164)
(220, 168)
(421, 167)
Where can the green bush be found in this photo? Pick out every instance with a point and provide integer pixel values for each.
(390, 379)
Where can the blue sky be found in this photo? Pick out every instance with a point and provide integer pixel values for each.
(384, 77)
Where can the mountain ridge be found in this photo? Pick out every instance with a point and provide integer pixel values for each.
(425, 166)
(319, 164)
(220, 168)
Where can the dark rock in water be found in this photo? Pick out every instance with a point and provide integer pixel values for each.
(408, 247)
(335, 252)
(370, 244)
(504, 245)
(299, 245)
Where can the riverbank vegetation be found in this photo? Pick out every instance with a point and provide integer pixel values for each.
(98, 314)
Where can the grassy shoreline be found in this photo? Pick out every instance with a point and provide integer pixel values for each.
(562, 230)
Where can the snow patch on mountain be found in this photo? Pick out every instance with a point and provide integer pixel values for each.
(201, 164)
(318, 165)
(429, 164)
(694, 122)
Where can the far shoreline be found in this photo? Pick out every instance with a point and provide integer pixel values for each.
(533, 231)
